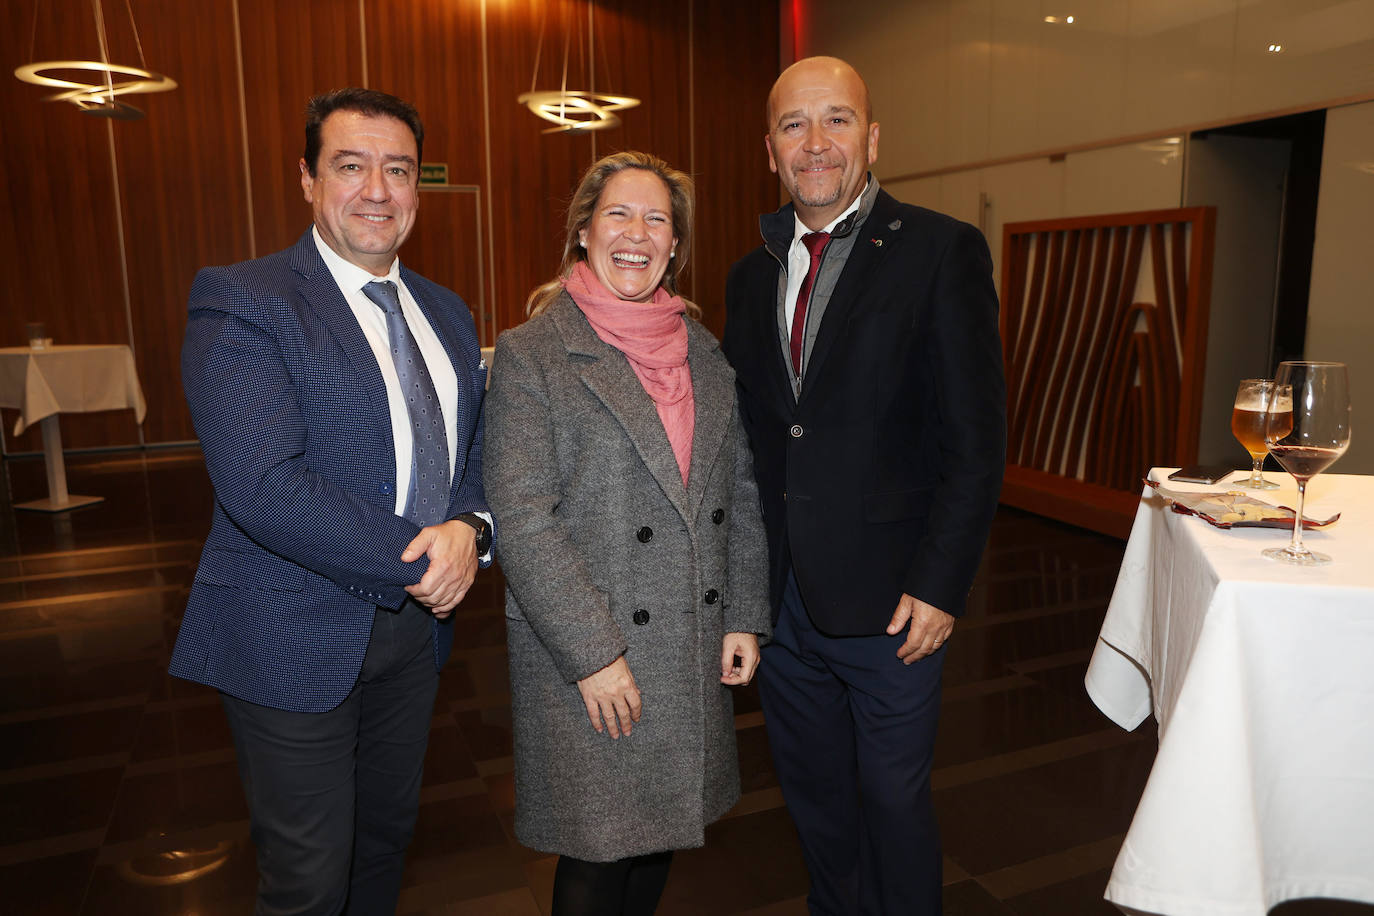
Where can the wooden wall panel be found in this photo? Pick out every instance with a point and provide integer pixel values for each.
(58, 225)
(642, 52)
(429, 52)
(447, 241)
(183, 186)
(737, 61)
(210, 176)
(291, 51)
(532, 174)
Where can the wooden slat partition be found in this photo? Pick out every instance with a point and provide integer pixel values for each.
(1104, 334)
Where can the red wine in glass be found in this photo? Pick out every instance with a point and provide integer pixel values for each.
(1307, 427)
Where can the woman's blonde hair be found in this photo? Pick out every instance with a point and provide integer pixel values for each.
(583, 206)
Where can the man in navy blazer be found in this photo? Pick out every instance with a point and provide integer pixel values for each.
(338, 401)
(863, 333)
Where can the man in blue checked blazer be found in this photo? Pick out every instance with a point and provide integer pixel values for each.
(338, 400)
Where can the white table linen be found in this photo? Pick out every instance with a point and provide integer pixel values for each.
(1261, 678)
(68, 379)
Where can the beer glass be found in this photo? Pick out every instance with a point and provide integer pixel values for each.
(1247, 425)
(1306, 428)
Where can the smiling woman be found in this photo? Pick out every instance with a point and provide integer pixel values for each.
(617, 470)
(602, 200)
(630, 239)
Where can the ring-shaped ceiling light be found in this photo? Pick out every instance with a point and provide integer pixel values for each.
(574, 110)
(98, 98)
(85, 94)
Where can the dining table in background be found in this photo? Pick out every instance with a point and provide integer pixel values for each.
(43, 383)
(1260, 677)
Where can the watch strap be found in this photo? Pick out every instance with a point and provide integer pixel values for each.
(482, 528)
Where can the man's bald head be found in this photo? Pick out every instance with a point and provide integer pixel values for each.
(821, 137)
(817, 74)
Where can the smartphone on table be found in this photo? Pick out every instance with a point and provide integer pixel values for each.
(1202, 473)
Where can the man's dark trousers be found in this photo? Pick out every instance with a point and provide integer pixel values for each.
(847, 721)
(318, 810)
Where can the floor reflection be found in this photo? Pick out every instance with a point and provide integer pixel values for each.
(176, 866)
(119, 794)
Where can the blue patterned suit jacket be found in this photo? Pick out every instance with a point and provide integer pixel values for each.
(291, 411)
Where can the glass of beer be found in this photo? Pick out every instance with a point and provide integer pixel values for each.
(1247, 425)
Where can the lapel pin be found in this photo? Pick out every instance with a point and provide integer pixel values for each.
(878, 243)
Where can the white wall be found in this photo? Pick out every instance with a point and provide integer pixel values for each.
(963, 81)
(1340, 310)
(1078, 184)
(956, 83)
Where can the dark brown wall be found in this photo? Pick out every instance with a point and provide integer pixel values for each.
(105, 223)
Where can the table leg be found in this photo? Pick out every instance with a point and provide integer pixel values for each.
(59, 500)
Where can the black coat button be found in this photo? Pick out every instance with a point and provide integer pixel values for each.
(644, 534)
(712, 596)
(796, 431)
(718, 516)
(641, 617)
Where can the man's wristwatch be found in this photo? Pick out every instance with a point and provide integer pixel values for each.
(483, 531)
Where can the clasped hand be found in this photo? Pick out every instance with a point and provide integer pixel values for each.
(452, 551)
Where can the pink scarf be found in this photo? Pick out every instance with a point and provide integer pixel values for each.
(653, 337)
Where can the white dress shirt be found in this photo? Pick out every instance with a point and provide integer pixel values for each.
(799, 259)
(351, 279)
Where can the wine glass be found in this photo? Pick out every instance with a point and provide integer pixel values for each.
(1247, 425)
(1306, 428)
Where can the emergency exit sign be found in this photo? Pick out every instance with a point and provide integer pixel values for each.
(434, 173)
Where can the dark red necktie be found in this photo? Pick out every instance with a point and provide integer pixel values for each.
(815, 244)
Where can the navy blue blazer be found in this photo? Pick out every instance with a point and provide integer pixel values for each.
(291, 410)
(883, 477)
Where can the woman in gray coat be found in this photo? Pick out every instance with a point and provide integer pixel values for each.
(632, 545)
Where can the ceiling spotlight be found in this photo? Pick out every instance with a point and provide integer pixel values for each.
(1069, 20)
(1274, 49)
(1051, 18)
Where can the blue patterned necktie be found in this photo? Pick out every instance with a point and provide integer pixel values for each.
(427, 501)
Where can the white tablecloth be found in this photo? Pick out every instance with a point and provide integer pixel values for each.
(69, 379)
(1261, 678)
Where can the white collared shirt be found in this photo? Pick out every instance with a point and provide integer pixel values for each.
(351, 279)
(799, 259)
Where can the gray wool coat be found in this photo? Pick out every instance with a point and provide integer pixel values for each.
(606, 553)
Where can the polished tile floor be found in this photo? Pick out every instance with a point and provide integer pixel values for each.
(118, 792)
